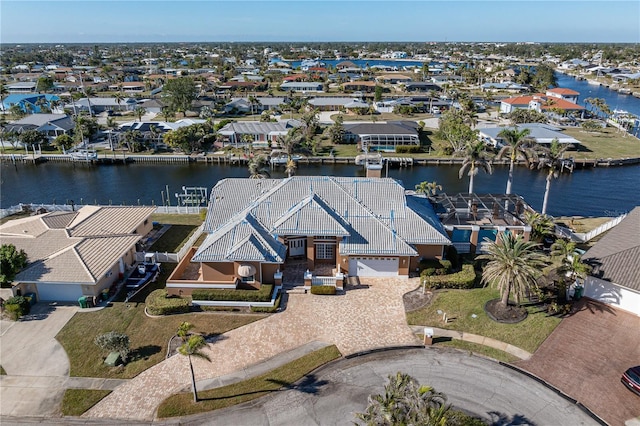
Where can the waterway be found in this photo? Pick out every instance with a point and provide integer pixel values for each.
(588, 192)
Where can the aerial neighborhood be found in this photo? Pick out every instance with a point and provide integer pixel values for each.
(266, 277)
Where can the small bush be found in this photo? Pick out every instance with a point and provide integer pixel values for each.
(159, 303)
(114, 342)
(261, 295)
(463, 279)
(323, 289)
(17, 307)
(408, 149)
(268, 310)
(434, 267)
(427, 272)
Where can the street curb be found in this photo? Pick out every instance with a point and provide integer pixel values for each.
(385, 349)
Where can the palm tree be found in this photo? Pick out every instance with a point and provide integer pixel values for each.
(290, 168)
(259, 167)
(562, 248)
(139, 112)
(517, 145)
(428, 188)
(513, 267)
(192, 347)
(541, 225)
(574, 268)
(552, 161)
(183, 331)
(475, 158)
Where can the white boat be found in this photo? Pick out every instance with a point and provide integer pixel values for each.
(84, 155)
(594, 82)
(278, 157)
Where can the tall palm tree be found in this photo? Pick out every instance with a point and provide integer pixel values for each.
(428, 188)
(139, 112)
(552, 161)
(259, 167)
(513, 266)
(517, 145)
(575, 268)
(290, 168)
(562, 248)
(475, 159)
(193, 347)
(541, 225)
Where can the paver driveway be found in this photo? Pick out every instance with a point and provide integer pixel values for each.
(363, 318)
(586, 355)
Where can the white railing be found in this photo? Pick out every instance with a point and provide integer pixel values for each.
(324, 281)
(160, 257)
(190, 242)
(68, 207)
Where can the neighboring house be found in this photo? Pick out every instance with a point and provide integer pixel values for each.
(359, 86)
(383, 137)
(335, 104)
(538, 102)
(615, 278)
(99, 105)
(422, 86)
(293, 86)
(249, 86)
(393, 78)
(243, 105)
(563, 93)
(364, 227)
(21, 87)
(541, 133)
(52, 125)
(129, 87)
(31, 103)
(504, 87)
(77, 253)
(260, 133)
(152, 106)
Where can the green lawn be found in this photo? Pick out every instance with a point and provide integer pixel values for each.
(173, 239)
(607, 143)
(460, 305)
(282, 377)
(177, 219)
(475, 348)
(148, 336)
(76, 401)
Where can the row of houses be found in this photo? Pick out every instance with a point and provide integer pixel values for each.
(334, 226)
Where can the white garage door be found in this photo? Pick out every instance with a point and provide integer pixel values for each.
(59, 292)
(373, 266)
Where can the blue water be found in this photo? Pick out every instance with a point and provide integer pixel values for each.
(605, 191)
(614, 99)
(362, 63)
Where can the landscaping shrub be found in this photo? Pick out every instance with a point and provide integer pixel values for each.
(261, 295)
(159, 303)
(17, 306)
(408, 149)
(114, 342)
(430, 267)
(268, 310)
(323, 289)
(463, 279)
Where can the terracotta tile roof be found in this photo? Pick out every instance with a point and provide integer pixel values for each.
(563, 91)
(548, 102)
(616, 257)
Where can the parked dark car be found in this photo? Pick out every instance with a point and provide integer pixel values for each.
(631, 379)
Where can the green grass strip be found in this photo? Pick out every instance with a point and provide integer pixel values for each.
(76, 401)
(282, 377)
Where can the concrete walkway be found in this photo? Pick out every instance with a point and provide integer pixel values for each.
(474, 338)
(363, 318)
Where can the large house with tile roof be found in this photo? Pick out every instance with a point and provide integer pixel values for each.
(365, 227)
(615, 259)
(538, 102)
(77, 253)
(383, 137)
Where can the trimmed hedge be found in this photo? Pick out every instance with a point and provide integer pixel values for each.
(261, 295)
(158, 303)
(17, 306)
(408, 149)
(266, 309)
(323, 289)
(463, 279)
(434, 267)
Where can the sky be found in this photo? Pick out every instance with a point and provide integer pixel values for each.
(102, 21)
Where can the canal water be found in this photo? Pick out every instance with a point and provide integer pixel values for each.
(588, 192)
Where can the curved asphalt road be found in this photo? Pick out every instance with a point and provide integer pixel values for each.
(476, 385)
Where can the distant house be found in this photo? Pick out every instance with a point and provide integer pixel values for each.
(563, 93)
(538, 102)
(21, 87)
(384, 137)
(77, 253)
(29, 103)
(130, 87)
(51, 125)
(359, 86)
(615, 278)
(242, 105)
(541, 133)
(256, 132)
(152, 106)
(504, 87)
(335, 104)
(293, 86)
(364, 227)
(393, 78)
(422, 86)
(243, 85)
(99, 105)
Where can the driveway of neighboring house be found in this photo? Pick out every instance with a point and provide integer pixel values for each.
(36, 364)
(367, 316)
(586, 355)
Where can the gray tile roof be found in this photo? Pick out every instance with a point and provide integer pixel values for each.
(258, 127)
(372, 215)
(111, 221)
(59, 220)
(616, 257)
(380, 129)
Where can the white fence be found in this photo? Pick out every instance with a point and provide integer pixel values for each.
(175, 257)
(584, 237)
(69, 207)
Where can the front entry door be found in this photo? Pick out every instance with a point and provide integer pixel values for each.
(297, 247)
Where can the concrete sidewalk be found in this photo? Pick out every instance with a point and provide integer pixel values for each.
(474, 338)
